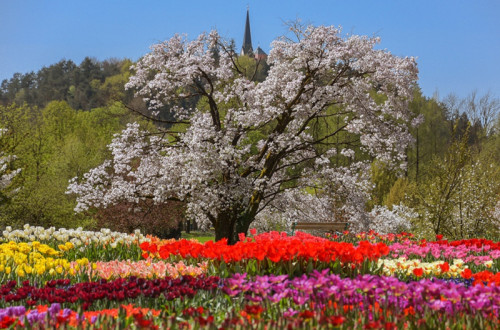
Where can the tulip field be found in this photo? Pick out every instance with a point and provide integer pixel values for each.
(101, 280)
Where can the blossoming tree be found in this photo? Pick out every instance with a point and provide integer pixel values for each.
(252, 146)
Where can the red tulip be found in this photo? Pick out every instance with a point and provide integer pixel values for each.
(418, 272)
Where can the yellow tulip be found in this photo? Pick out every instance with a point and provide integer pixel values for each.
(40, 270)
(83, 261)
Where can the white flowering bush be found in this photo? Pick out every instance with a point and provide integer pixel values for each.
(397, 220)
(341, 197)
(496, 214)
(225, 176)
(459, 199)
(475, 200)
(6, 173)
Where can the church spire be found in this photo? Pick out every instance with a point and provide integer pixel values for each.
(247, 48)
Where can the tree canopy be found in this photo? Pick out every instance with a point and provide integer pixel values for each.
(228, 178)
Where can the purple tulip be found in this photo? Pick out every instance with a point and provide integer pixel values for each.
(320, 287)
(54, 309)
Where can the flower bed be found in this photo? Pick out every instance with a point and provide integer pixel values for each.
(268, 280)
(274, 253)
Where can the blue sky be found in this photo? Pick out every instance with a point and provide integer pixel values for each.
(457, 42)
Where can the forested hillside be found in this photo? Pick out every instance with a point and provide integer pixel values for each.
(86, 86)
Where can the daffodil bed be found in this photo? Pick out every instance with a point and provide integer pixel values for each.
(81, 279)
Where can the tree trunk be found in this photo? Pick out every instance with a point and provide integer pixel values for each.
(242, 224)
(230, 225)
(224, 229)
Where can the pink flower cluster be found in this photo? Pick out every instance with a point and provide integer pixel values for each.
(476, 254)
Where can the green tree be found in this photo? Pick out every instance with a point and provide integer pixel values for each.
(52, 146)
(384, 179)
(458, 194)
(432, 136)
(113, 87)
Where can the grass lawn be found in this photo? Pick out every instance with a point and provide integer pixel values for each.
(202, 237)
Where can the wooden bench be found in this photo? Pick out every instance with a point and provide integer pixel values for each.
(327, 226)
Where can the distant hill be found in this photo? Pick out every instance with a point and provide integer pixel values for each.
(86, 86)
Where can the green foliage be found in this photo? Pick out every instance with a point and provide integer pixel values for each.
(432, 136)
(452, 179)
(491, 145)
(113, 87)
(52, 146)
(398, 192)
(458, 195)
(383, 178)
(251, 68)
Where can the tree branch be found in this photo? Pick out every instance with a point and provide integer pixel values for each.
(156, 119)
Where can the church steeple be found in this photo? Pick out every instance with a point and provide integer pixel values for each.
(247, 48)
